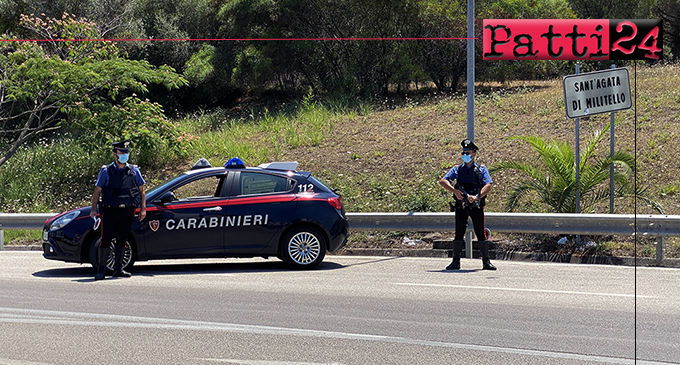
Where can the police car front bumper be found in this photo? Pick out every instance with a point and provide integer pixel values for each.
(57, 247)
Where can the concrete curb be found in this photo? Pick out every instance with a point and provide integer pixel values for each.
(518, 256)
(506, 256)
(587, 259)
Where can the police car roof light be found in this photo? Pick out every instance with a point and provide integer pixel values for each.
(235, 163)
(201, 164)
(284, 166)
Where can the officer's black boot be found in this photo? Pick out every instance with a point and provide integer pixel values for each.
(457, 248)
(118, 268)
(486, 262)
(102, 258)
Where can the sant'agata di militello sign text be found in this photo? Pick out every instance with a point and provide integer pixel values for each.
(597, 92)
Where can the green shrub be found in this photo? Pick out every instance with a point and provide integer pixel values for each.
(427, 196)
(51, 175)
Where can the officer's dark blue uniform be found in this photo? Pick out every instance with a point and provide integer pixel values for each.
(472, 183)
(121, 187)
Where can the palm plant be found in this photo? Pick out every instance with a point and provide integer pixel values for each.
(554, 180)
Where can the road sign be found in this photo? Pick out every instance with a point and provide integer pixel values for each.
(596, 92)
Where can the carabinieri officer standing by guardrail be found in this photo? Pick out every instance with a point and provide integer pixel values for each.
(122, 189)
(472, 184)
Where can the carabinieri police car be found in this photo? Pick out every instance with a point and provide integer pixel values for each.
(208, 212)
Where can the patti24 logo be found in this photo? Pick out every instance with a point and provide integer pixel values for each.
(573, 39)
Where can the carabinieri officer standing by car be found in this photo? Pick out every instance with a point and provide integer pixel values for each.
(121, 187)
(472, 184)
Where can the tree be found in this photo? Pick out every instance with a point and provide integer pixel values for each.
(334, 66)
(554, 179)
(443, 61)
(111, 16)
(45, 86)
(520, 9)
(669, 12)
(174, 19)
(613, 9)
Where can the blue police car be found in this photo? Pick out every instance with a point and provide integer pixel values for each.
(217, 212)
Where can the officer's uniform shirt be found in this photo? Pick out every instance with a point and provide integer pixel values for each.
(453, 173)
(103, 177)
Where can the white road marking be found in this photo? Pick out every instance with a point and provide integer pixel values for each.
(526, 290)
(262, 362)
(34, 316)
(20, 362)
(218, 274)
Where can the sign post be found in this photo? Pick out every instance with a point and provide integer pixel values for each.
(471, 71)
(611, 154)
(470, 93)
(577, 157)
(594, 93)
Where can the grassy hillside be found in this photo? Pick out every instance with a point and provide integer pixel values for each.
(388, 155)
(398, 152)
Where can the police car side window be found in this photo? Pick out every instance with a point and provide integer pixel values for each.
(204, 188)
(255, 183)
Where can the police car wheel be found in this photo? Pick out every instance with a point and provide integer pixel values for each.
(94, 255)
(303, 248)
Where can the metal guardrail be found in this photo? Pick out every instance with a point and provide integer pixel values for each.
(658, 226)
(27, 221)
(549, 223)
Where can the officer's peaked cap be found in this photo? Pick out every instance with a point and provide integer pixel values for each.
(468, 145)
(122, 146)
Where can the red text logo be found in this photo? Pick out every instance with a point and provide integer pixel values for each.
(572, 39)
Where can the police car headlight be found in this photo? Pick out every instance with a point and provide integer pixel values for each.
(65, 219)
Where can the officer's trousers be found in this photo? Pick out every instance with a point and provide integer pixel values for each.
(477, 215)
(116, 223)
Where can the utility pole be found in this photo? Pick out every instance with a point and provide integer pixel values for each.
(470, 95)
(471, 70)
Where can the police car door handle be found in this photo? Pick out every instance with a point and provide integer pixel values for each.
(213, 209)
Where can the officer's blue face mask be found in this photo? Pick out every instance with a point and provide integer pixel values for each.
(123, 158)
(466, 157)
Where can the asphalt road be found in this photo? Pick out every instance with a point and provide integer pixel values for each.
(352, 310)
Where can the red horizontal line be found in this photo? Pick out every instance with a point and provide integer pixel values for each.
(230, 39)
